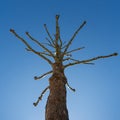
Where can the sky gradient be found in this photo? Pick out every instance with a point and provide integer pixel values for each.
(97, 95)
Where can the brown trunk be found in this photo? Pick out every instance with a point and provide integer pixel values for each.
(56, 108)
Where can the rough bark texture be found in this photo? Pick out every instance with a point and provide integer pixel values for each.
(56, 108)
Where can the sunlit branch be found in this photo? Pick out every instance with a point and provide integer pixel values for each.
(40, 98)
(41, 45)
(89, 60)
(43, 75)
(74, 35)
(29, 47)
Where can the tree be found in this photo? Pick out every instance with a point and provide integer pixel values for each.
(60, 58)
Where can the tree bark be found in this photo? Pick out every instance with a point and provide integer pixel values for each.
(56, 108)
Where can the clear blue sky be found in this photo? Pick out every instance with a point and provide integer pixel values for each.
(97, 95)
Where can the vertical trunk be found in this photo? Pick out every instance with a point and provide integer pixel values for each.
(56, 108)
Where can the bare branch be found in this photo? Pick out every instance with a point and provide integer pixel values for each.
(89, 60)
(68, 58)
(57, 29)
(75, 50)
(89, 63)
(74, 60)
(50, 43)
(43, 53)
(61, 43)
(40, 98)
(36, 78)
(41, 45)
(29, 47)
(45, 26)
(57, 35)
(74, 35)
(57, 39)
(70, 87)
(64, 45)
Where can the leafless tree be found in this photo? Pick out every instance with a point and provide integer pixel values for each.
(60, 58)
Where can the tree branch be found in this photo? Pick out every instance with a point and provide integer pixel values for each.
(75, 50)
(43, 53)
(40, 98)
(29, 47)
(43, 75)
(57, 29)
(89, 60)
(70, 87)
(74, 35)
(61, 43)
(57, 40)
(50, 43)
(68, 58)
(80, 61)
(46, 29)
(41, 45)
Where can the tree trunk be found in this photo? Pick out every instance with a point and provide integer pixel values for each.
(56, 108)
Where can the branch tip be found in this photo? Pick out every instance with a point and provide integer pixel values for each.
(12, 30)
(40, 98)
(89, 60)
(45, 25)
(70, 87)
(115, 54)
(27, 33)
(35, 104)
(85, 22)
(35, 78)
(57, 16)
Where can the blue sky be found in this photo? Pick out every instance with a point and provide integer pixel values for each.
(97, 95)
